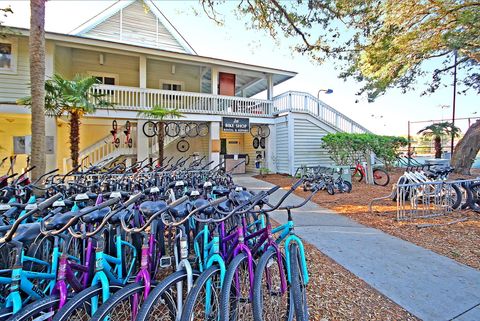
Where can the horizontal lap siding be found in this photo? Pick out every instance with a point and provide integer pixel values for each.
(308, 144)
(63, 62)
(197, 145)
(139, 26)
(17, 85)
(126, 67)
(282, 148)
(189, 75)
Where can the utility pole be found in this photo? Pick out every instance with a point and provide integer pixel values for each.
(454, 100)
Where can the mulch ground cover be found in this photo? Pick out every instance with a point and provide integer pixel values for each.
(335, 293)
(459, 241)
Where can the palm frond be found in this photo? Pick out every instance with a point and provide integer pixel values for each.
(160, 113)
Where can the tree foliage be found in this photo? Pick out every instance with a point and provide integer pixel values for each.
(74, 98)
(345, 148)
(437, 131)
(381, 43)
(5, 30)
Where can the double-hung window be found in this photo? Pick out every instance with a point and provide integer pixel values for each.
(8, 56)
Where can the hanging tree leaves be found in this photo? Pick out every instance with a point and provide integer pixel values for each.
(380, 43)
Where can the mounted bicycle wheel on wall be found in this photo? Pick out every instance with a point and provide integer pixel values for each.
(149, 129)
(256, 143)
(202, 129)
(191, 130)
(172, 129)
(264, 131)
(183, 146)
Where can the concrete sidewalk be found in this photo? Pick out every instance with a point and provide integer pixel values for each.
(428, 285)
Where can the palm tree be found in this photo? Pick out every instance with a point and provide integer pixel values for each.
(437, 131)
(37, 89)
(74, 98)
(160, 113)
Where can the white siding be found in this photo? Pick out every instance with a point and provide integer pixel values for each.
(16, 85)
(135, 24)
(282, 147)
(308, 144)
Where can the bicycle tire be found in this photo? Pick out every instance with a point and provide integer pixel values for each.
(256, 143)
(161, 295)
(172, 129)
(121, 298)
(149, 129)
(459, 197)
(191, 129)
(37, 309)
(203, 129)
(298, 289)
(83, 297)
(475, 200)
(346, 187)
(264, 131)
(357, 174)
(128, 125)
(228, 291)
(114, 124)
(193, 296)
(377, 181)
(330, 189)
(130, 143)
(254, 130)
(116, 142)
(258, 302)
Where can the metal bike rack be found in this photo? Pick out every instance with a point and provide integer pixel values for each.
(427, 199)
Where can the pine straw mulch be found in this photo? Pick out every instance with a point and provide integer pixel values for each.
(459, 241)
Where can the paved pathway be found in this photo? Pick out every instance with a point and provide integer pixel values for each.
(428, 285)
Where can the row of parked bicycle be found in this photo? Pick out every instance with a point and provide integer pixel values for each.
(172, 242)
(431, 182)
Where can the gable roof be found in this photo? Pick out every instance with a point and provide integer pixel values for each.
(138, 22)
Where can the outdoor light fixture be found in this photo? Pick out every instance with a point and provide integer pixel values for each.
(173, 69)
(101, 59)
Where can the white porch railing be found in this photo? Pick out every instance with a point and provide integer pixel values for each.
(104, 149)
(133, 98)
(304, 102)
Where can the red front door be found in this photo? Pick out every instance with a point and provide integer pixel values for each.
(226, 84)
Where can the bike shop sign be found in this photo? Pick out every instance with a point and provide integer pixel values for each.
(236, 125)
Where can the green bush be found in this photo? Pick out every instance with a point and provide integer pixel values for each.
(345, 148)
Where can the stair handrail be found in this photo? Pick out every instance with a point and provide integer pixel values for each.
(318, 102)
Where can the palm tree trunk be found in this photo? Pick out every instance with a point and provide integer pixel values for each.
(438, 147)
(74, 137)
(37, 83)
(161, 139)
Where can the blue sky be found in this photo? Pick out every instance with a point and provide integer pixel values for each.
(234, 41)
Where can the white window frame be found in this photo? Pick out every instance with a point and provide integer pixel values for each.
(13, 66)
(105, 74)
(172, 82)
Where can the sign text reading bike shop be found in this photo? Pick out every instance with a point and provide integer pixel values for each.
(236, 125)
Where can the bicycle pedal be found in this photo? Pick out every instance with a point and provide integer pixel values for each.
(165, 261)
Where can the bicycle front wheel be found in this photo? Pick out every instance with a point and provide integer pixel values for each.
(299, 291)
(381, 177)
(269, 303)
(235, 302)
(203, 301)
(80, 306)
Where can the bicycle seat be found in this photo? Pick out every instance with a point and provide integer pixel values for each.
(58, 221)
(202, 202)
(149, 208)
(27, 232)
(115, 219)
(96, 216)
(181, 210)
(221, 191)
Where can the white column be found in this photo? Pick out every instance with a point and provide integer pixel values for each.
(50, 122)
(51, 131)
(269, 87)
(271, 149)
(143, 71)
(214, 77)
(142, 141)
(291, 142)
(214, 144)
